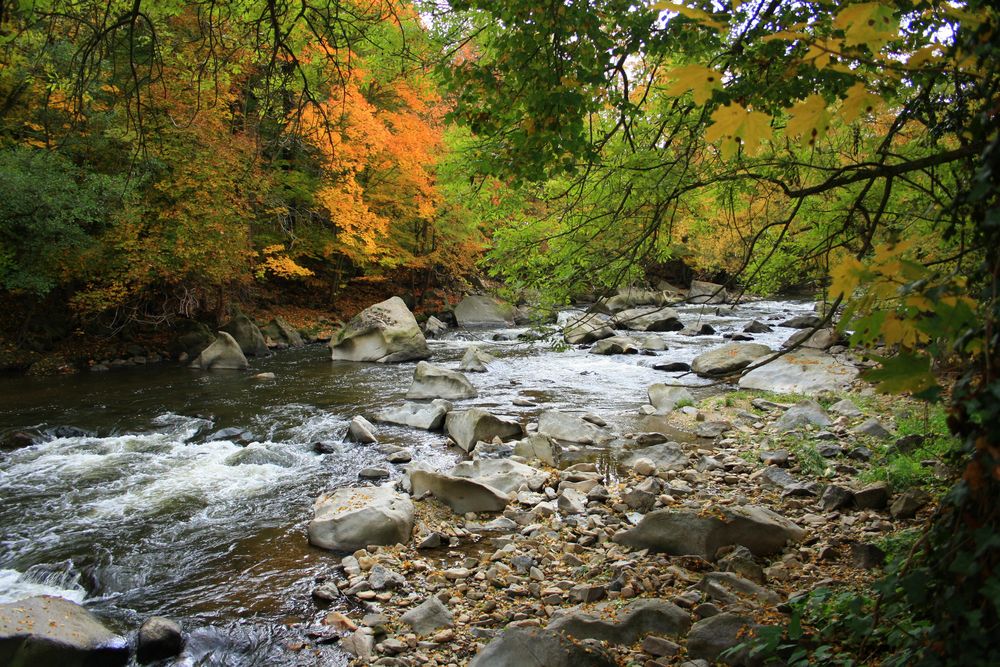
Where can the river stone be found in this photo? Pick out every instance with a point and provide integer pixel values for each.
(665, 456)
(434, 327)
(705, 292)
(428, 416)
(428, 616)
(159, 638)
(686, 532)
(361, 431)
(728, 358)
(475, 360)
(537, 448)
(710, 636)
(569, 428)
(461, 494)
(385, 333)
(430, 381)
(360, 644)
(625, 626)
(846, 407)
(820, 339)
(805, 413)
(633, 298)
(223, 354)
(872, 497)
(665, 397)
(534, 647)
(649, 318)
(351, 519)
(757, 327)
(468, 427)
(478, 310)
(652, 344)
(503, 475)
(874, 428)
(247, 336)
(673, 367)
(802, 322)
(279, 330)
(801, 372)
(616, 345)
(48, 630)
(587, 328)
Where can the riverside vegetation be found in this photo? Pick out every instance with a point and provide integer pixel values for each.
(583, 147)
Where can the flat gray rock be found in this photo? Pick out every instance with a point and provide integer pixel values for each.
(665, 456)
(430, 381)
(534, 647)
(801, 372)
(428, 616)
(467, 427)
(625, 625)
(806, 413)
(461, 494)
(48, 630)
(351, 519)
(427, 416)
(728, 358)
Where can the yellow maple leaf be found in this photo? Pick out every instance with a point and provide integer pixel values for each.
(858, 101)
(810, 119)
(869, 23)
(734, 124)
(700, 80)
(845, 277)
(699, 15)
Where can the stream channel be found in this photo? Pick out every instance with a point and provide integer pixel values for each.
(143, 512)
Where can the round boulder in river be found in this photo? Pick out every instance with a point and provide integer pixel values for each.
(384, 333)
(351, 519)
(478, 310)
(728, 358)
(223, 354)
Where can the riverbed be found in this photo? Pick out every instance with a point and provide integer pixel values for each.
(142, 508)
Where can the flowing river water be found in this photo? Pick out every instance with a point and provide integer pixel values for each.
(140, 509)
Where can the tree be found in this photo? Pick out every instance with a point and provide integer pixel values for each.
(816, 132)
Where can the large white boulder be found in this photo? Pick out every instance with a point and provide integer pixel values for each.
(384, 333)
(478, 310)
(801, 372)
(428, 416)
(430, 381)
(569, 428)
(705, 292)
(461, 494)
(728, 358)
(223, 354)
(649, 318)
(587, 328)
(468, 427)
(502, 474)
(351, 519)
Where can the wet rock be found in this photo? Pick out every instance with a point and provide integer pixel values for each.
(247, 336)
(673, 367)
(820, 339)
(159, 638)
(534, 647)
(648, 318)
(664, 456)
(703, 330)
(874, 428)
(361, 431)
(459, 493)
(373, 473)
(54, 631)
(326, 591)
(711, 636)
(802, 322)
(907, 504)
(872, 497)
(468, 427)
(806, 413)
(432, 541)
(430, 381)
(384, 333)
(728, 358)
(626, 625)
(479, 310)
(702, 291)
(233, 434)
(803, 371)
(588, 328)
(434, 327)
(428, 616)
(351, 519)
(616, 345)
(665, 397)
(427, 416)
(687, 532)
(475, 360)
(569, 428)
(223, 354)
(757, 327)
(652, 344)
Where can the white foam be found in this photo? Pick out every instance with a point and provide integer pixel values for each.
(16, 586)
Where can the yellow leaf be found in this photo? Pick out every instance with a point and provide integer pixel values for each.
(920, 57)
(702, 17)
(890, 252)
(845, 277)
(858, 101)
(870, 24)
(810, 119)
(732, 124)
(820, 51)
(701, 81)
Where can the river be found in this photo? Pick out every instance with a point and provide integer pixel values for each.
(144, 511)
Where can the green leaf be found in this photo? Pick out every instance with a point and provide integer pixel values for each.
(905, 372)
